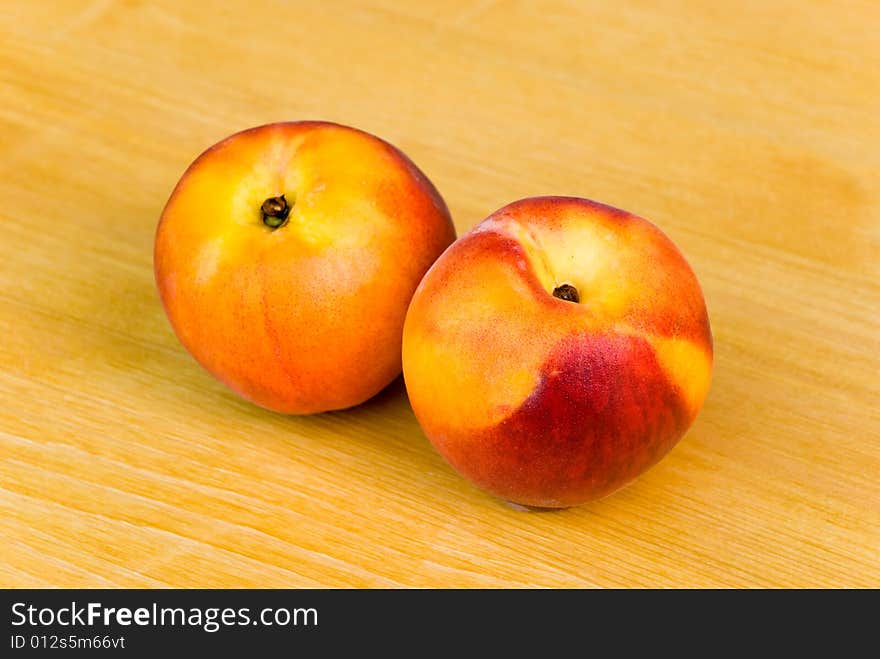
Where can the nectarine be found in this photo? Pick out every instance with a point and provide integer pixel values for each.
(286, 258)
(557, 351)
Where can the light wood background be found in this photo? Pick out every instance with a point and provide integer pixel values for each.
(748, 131)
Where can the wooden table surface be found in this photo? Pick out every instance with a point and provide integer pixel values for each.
(748, 131)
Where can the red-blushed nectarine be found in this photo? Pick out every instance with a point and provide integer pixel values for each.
(557, 351)
(286, 258)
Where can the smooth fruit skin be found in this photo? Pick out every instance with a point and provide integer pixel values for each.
(306, 317)
(546, 402)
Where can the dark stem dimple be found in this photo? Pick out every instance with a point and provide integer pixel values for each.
(275, 211)
(567, 292)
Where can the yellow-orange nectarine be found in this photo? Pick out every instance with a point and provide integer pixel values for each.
(286, 258)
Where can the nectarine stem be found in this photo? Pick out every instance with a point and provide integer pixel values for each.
(275, 211)
(567, 292)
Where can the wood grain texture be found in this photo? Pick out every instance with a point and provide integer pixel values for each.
(746, 130)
